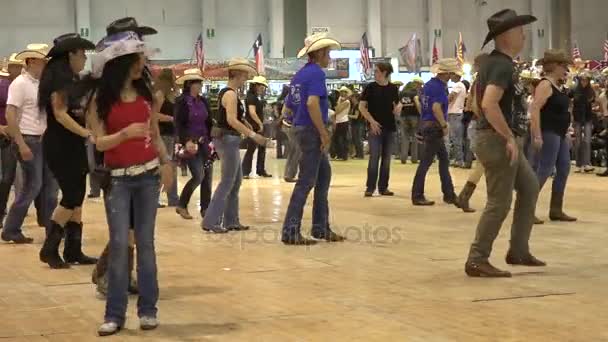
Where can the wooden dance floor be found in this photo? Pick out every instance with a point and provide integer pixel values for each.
(398, 278)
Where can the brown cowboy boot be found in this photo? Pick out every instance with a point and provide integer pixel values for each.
(102, 264)
(465, 196)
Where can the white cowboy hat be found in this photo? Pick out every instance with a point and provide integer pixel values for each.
(605, 71)
(260, 80)
(242, 64)
(447, 65)
(3, 68)
(117, 45)
(316, 42)
(37, 51)
(12, 60)
(345, 89)
(190, 75)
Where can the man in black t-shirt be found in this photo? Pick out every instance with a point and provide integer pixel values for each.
(410, 116)
(379, 105)
(506, 168)
(255, 118)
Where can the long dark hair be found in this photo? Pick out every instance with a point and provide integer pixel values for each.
(113, 78)
(56, 76)
(587, 91)
(188, 86)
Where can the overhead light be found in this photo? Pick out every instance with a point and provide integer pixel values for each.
(467, 68)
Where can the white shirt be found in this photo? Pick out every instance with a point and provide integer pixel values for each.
(23, 94)
(457, 107)
(342, 117)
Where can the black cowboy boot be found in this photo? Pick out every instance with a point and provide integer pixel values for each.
(465, 196)
(72, 251)
(556, 212)
(50, 249)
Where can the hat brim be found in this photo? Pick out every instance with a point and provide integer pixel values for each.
(4, 73)
(23, 55)
(70, 45)
(244, 67)
(260, 83)
(140, 30)
(436, 69)
(183, 79)
(318, 45)
(520, 20)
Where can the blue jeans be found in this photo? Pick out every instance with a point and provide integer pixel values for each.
(554, 155)
(315, 172)
(293, 153)
(224, 205)
(142, 193)
(433, 146)
(172, 196)
(582, 147)
(37, 179)
(457, 137)
(380, 146)
(200, 177)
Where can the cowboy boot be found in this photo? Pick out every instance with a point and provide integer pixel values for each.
(102, 264)
(465, 196)
(49, 253)
(72, 251)
(556, 212)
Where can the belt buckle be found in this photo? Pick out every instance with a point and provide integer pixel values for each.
(135, 170)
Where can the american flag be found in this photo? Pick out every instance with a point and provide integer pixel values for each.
(606, 49)
(435, 52)
(461, 49)
(408, 54)
(364, 49)
(199, 51)
(576, 52)
(258, 52)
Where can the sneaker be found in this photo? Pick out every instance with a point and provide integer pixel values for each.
(148, 323)
(589, 169)
(108, 328)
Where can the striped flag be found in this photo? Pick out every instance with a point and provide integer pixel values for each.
(606, 49)
(199, 51)
(576, 52)
(364, 49)
(408, 54)
(258, 52)
(461, 49)
(435, 51)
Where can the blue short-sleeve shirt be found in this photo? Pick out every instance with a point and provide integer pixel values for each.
(308, 81)
(434, 91)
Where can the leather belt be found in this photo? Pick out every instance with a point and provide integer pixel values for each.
(136, 170)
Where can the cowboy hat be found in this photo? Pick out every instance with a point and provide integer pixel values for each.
(529, 75)
(505, 20)
(585, 74)
(69, 42)
(117, 45)
(12, 60)
(605, 71)
(242, 64)
(37, 51)
(190, 75)
(447, 66)
(316, 42)
(128, 24)
(555, 56)
(345, 89)
(418, 79)
(397, 83)
(4, 68)
(260, 80)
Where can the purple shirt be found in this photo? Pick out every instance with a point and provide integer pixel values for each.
(4, 83)
(197, 117)
(309, 81)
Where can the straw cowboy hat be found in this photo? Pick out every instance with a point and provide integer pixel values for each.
(529, 75)
(345, 89)
(555, 56)
(316, 42)
(128, 24)
(37, 51)
(503, 21)
(190, 75)
(447, 66)
(12, 60)
(118, 45)
(397, 83)
(242, 64)
(3, 68)
(418, 79)
(69, 42)
(260, 80)
(605, 71)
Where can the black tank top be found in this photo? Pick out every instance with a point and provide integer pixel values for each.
(220, 119)
(555, 114)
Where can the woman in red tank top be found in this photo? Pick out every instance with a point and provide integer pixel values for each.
(122, 116)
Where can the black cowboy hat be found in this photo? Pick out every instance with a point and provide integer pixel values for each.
(128, 24)
(69, 42)
(505, 20)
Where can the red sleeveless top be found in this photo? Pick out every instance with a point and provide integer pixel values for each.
(134, 151)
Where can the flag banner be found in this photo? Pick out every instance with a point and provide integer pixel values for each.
(606, 49)
(365, 59)
(199, 52)
(576, 52)
(408, 54)
(435, 52)
(461, 50)
(258, 52)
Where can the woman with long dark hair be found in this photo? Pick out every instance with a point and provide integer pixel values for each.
(122, 117)
(583, 99)
(550, 119)
(64, 147)
(255, 119)
(193, 123)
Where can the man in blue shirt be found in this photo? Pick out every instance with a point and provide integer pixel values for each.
(308, 101)
(434, 127)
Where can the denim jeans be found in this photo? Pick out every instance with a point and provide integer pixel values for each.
(293, 154)
(409, 143)
(200, 177)
(357, 133)
(142, 192)
(502, 177)
(554, 155)
(456, 137)
(340, 140)
(315, 172)
(260, 166)
(282, 142)
(433, 146)
(9, 169)
(380, 146)
(172, 196)
(224, 206)
(583, 143)
(37, 180)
